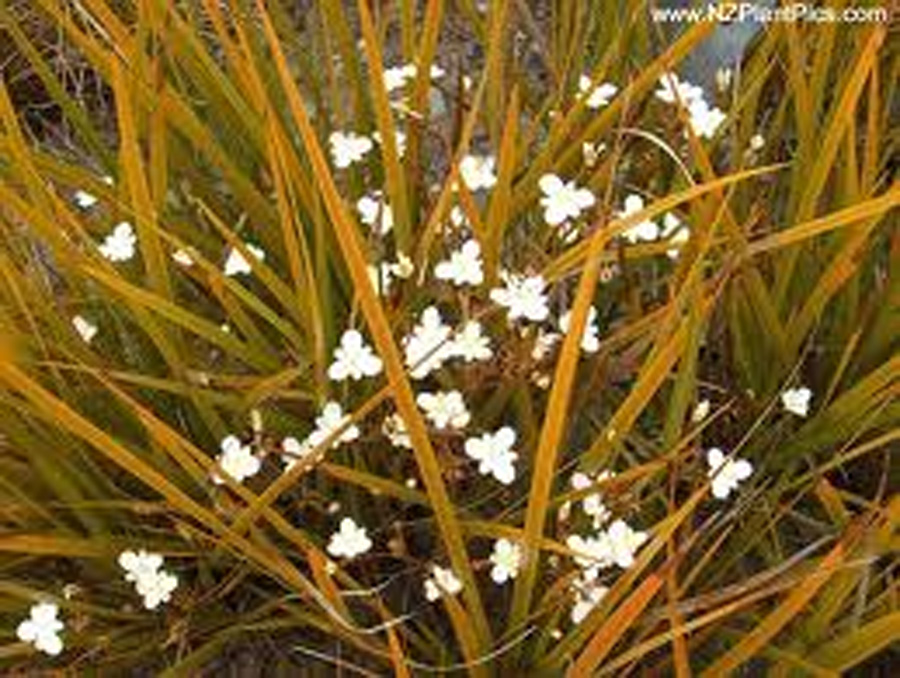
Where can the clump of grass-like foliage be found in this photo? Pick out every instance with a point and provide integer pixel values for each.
(411, 337)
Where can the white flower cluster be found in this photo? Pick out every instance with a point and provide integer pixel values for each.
(704, 119)
(432, 343)
(328, 423)
(648, 230)
(613, 546)
(152, 582)
(42, 628)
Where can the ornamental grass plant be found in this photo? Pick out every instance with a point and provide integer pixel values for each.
(371, 338)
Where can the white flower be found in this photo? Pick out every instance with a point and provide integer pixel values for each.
(726, 474)
(139, 565)
(506, 558)
(237, 460)
(523, 297)
(84, 200)
(705, 120)
(544, 343)
(622, 542)
(701, 411)
(395, 429)
(477, 172)
(493, 452)
(672, 90)
(427, 346)
(374, 212)
(616, 545)
(444, 408)
(294, 450)
(641, 231)
(156, 588)
(119, 245)
(757, 142)
(590, 343)
(42, 628)
(598, 96)
(354, 359)
(329, 422)
(587, 595)
(796, 400)
(85, 329)
(236, 264)
(592, 504)
(463, 267)
(399, 141)
(562, 201)
(442, 581)
(183, 257)
(470, 344)
(348, 148)
(676, 232)
(350, 541)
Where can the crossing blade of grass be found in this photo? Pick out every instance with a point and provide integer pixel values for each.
(380, 330)
(562, 151)
(424, 58)
(597, 622)
(571, 258)
(396, 181)
(552, 431)
(866, 209)
(501, 197)
(63, 416)
(815, 177)
(602, 643)
(177, 314)
(794, 604)
(851, 649)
